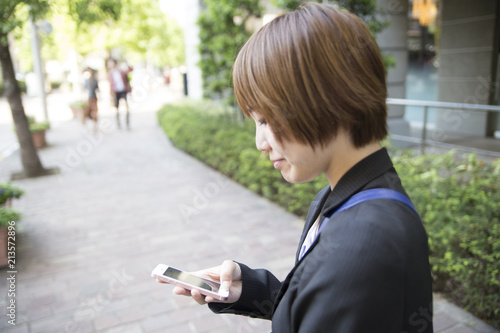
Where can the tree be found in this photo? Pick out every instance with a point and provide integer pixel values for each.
(32, 166)
(83, 11)
(222, 33)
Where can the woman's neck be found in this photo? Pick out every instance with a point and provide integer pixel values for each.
(345, 156)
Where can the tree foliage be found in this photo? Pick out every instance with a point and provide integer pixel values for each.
(92, 11)
(140, 30)
(148, 34)
(222, 33)
(9, 19)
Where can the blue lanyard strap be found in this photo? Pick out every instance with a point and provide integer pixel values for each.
(376, 193)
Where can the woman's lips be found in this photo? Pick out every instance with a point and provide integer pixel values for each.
(277, 163)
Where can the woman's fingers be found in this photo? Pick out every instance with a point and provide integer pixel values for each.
(230, 271)
(181, 291)
(228, 274)
(199, 298)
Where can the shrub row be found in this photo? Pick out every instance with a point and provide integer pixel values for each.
(458, 198)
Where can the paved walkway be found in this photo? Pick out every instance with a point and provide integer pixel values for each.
(124, 202)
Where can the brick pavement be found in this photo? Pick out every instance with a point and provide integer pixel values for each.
(124, 202)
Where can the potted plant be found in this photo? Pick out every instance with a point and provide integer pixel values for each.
(38, 130)
(7, 217)
(77, 108)
(9, 192)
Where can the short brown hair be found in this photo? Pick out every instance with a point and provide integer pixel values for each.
(312, 71)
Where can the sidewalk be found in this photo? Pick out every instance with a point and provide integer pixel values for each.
(124, 202)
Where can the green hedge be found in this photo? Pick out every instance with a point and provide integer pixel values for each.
(457, 197)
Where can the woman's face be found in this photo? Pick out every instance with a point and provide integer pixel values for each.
(297, 162)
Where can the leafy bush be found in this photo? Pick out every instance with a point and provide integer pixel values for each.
(458, 198)
(55, 85)
(7, 215)
(8, 191)
(37, 126)
(222, 33)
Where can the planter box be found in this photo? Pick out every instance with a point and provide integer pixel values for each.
(39, 139)
(3, 247)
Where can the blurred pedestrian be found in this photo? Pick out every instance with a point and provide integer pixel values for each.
(167, 76)
(120, 86)
(91, 109)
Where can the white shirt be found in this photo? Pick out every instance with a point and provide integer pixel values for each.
(118, 80)
(311, 236)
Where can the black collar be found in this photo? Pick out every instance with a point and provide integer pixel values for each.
(358, 178)
(361, 176)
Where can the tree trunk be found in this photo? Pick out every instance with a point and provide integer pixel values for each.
(32, 166)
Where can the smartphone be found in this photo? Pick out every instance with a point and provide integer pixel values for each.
(189, 281)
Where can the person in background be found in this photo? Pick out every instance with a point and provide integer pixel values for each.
(119, 86)
(167, 74)
(91, 107)
(313, 81)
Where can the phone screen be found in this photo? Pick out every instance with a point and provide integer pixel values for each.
(191, 279)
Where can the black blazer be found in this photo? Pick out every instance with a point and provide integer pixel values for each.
(368, 270)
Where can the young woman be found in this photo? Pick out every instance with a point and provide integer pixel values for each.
(313, 81)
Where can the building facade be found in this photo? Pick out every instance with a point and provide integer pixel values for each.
(468, 57)
(466, 44)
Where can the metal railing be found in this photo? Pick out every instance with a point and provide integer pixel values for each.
(441, 105)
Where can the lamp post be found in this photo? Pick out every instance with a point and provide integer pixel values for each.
(37, 61)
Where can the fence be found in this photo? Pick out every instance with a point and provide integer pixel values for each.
(441, 105)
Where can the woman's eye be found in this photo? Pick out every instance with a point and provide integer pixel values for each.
(262, 121)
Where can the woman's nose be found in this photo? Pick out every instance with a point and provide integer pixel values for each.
(261, 141)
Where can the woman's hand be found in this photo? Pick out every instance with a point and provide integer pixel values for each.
(228, 275)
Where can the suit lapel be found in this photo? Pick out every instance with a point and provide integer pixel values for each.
(312, 215)
(353, 181)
